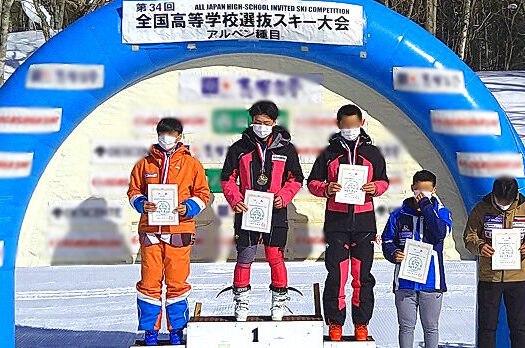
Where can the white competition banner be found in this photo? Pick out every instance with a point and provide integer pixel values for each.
(30, 120)
(15, 165)
(465, 122)
(277, 20)
(69, 77)
(490, 165)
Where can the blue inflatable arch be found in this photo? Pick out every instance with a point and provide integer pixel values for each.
(363, 74)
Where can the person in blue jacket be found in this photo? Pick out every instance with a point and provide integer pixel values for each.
(422, 218)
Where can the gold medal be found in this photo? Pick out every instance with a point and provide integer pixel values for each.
(262, 179)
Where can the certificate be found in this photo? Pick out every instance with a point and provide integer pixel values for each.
(166, 199)
(258, 218)
(506, 244)
(351, 178)
(416, 263)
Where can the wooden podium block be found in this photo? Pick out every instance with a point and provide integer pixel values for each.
(349, 342)
(257, 331)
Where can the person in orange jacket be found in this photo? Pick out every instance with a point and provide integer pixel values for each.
(165, 250)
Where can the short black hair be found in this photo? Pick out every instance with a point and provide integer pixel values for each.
(168, 125)
(505, 189)
(349, 110)
(264, 107)
(424, 175)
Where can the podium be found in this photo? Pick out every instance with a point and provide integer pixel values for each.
(305, 331)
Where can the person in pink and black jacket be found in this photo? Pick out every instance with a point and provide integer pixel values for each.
(264, 159)
(349, 229)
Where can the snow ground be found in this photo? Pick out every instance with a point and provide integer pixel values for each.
(81, 306)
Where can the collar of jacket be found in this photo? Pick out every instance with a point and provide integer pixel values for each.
(280, 137)
(520, 200)
(158, 152)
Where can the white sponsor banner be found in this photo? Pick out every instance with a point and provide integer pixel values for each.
(91, 211)
(276, 20)
(490, 165)
(465, 122)
(30, 120)
(282, 89)
(15, 165)
(311, 121)
(109, 183)
(194, 122)
(429, 80)
(65, 76)
(118, 151)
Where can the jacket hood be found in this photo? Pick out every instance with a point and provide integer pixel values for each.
(364, 139)
(158, 152)
(280, 137)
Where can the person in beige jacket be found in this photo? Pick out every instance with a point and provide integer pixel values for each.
(503, 208)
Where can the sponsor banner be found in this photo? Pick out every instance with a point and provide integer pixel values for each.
(211, 151)
(319, 122)
(229, 88)
(490, 165)
(118, 151)
(71, 77)
(99, 212)
(109, 183)
(275, 20)
(15, 165)
(465, 122)
(194, 122)
(429, 80)
(30, 120)
(235, 121)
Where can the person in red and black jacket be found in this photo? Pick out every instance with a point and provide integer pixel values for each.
(349, 229)
(263, 160)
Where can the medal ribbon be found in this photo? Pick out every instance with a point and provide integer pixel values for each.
(262, 154)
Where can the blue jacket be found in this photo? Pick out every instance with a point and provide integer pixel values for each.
(430, 225)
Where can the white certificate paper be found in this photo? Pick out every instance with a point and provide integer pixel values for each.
(351, 178)
(506, 244)
(258, 218)
(167, 199)
(416, 263)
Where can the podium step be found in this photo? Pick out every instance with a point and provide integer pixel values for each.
(163, 343)
(304, 331)
(349, 342)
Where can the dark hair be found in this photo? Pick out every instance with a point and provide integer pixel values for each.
(505, 189)
(424, 175)
(168, 125)
(349, 110)
(264, 107)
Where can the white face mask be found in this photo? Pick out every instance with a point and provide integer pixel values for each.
(427, 194)
(504, 207)
(351, 134)
(261, 130)
(167, 142)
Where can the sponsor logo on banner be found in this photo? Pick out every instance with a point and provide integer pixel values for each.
(315, 122)
(30, 120)
(65, 76)
(227, 88)
(91, 211)
(109, 183)
(465, 122)
(194, 122)
(490, 165)
(15, 165)
(274, 20)
(429, 80)
(1, 253)
(118, 152)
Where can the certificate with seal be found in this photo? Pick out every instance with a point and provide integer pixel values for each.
(351, 178)
(258, 218)
(506, 244)
(416, 263)
(166, 198)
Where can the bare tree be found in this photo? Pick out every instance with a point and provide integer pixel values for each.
(43, 20)
(465, 29)
(431, 23)
(4, 30)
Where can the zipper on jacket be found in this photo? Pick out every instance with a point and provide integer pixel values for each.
(504, 226)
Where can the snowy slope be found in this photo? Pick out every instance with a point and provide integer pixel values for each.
(95, 305)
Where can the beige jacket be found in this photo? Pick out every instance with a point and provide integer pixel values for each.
(484, 218)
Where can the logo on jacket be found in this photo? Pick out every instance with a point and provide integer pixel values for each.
(151, 175)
